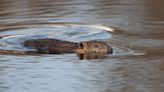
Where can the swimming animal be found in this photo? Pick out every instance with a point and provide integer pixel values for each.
(93, 49)
(55, 46)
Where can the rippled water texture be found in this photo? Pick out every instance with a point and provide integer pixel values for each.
(138, 43)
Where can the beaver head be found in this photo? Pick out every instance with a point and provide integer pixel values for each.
(99, 47)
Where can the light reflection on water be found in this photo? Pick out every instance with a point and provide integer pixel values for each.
(13, 39)
(139, 25)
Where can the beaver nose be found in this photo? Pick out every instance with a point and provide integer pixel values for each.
(109, 50)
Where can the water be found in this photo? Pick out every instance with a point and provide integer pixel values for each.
(136, 65)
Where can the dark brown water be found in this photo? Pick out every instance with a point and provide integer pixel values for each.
(136, 66)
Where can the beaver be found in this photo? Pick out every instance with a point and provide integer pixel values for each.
(93, 49)
(55, 46)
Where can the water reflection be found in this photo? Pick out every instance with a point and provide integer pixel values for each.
(92, 56)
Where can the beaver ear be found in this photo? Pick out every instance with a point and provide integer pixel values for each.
(81, 45)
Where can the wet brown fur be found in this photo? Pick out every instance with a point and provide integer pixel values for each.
(51, 46)
(54, 46)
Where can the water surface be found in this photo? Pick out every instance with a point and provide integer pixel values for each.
(136, 66)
